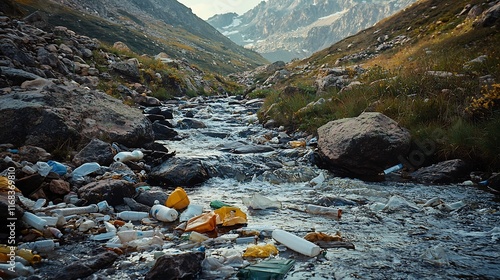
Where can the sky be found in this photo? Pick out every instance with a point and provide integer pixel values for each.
(207, 8)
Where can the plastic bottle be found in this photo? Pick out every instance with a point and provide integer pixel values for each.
(85, 169)
(192, 210)
(296, 243)
(41, 246)
(55, 232)
(316, 209)
(128, 156)
(92, 208)
(57, 167)
(86, 225)
(393, 169)
(54, 221)
(132, 215)
(17, 270)
(178, 199)
(163, 213)
(249, 239)
(34, 221)
(109, 234)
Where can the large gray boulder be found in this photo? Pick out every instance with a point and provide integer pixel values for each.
(364, 146)
(446, 172)
(59, 116)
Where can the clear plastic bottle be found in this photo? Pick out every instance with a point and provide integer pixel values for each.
(17, 270)
(92, 208)
(192, 210)
(34, 221)
(132, 215)
(129, 235)
(129, 156)
(41, 246)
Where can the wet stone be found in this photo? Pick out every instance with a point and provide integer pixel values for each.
(113, 191)
(95, 151)
(180, 266)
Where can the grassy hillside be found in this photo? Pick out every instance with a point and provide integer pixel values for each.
(425, 80)
(210, 53)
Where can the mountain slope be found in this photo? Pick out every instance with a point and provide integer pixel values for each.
(434, 68)
(150, 27)
(282, 30)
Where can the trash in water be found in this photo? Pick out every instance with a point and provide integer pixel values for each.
(393, 169)
(267, 269)
(163, 213)
(129, 156)
(296, 243)
(320, 236)
(191, 211)
(203, 223)
(258, 201)
(178, 199)
(216, 204)
(230, 216)
(260, 251)
(322, 210)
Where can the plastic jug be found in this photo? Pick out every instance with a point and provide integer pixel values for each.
(296, 243)
(230, 216)
(163, 213)
(178, 199)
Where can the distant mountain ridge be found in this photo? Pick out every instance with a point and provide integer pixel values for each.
(150, 27)
(287, 29)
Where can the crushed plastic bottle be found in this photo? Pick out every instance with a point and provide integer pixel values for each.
(41, 246)
(191, 211)
(34, 221)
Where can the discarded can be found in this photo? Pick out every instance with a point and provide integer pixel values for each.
(296, 243)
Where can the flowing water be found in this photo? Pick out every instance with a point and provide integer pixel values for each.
(394, 235)
(399, 230)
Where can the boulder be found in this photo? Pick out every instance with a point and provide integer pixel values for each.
(59, 187)
(113, 191)
(163, 132)
(17, 76)
(127, 68)
(190, 123)
(177, 266)
(179, 172)
(364, 146)
(82, 269)
(95, 151)
(446, 172)
(148, 197)
(489, 17)
(65, 115)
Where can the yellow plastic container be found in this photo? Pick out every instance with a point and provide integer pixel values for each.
(202, 223)
(260, 251)
(230, 216)
(178, 199)
(23, 253)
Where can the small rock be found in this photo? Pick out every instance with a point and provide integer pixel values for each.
(148, 197)
(179, 172)
(446, 172)
(59, 187)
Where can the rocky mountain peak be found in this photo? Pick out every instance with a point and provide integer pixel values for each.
(287, 29)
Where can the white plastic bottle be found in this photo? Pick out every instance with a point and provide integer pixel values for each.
(17, 270)
(129, 235)
(296, 243)
(163, 213)
(34, 221)
(128, 156)
(132, 215)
